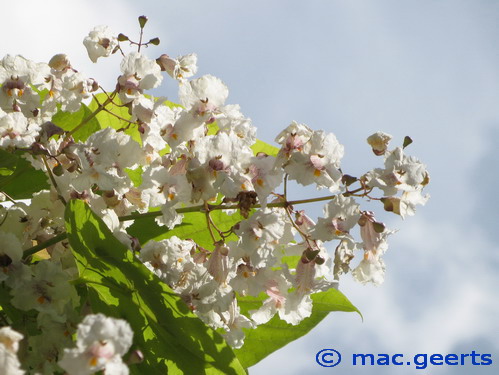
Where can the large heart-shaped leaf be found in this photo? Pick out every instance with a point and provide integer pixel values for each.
(269, 337)
(19, 178)
(172, 338)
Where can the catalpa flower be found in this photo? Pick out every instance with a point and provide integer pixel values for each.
(139, 74)
(17, 75)
(180, 68)
(100, 344)
(100, 42)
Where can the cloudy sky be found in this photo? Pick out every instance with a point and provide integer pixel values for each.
(428, 69)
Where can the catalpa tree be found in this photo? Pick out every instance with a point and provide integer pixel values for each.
(159, 237)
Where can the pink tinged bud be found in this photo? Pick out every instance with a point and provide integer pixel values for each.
(305, 276)
(370, 231)
(218, 264)
(180, 166)
(166, 63)
(303, 221)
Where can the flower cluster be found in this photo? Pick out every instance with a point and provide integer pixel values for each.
(199, 153)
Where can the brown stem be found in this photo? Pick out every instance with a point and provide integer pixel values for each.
(85, 121)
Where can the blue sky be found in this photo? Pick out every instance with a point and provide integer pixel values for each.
(428, 69)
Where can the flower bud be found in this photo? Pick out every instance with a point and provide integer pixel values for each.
(391, 204)
(58, 170)
(166, 63)
(348, 180)
(135, 244)
(122, 37)
(407, 141)
(310, 254)
(379, 227)
(154, 41)
(142, 21)
(136, 357)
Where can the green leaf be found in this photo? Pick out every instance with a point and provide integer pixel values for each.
(269, 337)
(135, 175)
(8, 163)
(24, 179)
(172, 339)
(193, 227)
(261, 146)
(70, 120)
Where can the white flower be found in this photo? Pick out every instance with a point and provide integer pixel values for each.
(205, 94)
(103, 161)
(100, 344)
(234, 323)
(316, 160)
(180, 68)
(293, 138)
(370, 270)
(17, 131)
(169, 259)
(379, 142)
(139, 74)
(374, 234)
(292, 307)
(100, 42)
(17, 76)
(401, 173)
(75, 88)
(48, 291)
(259, 237)
(341, 215)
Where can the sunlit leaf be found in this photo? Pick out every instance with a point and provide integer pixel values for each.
(172, 339)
